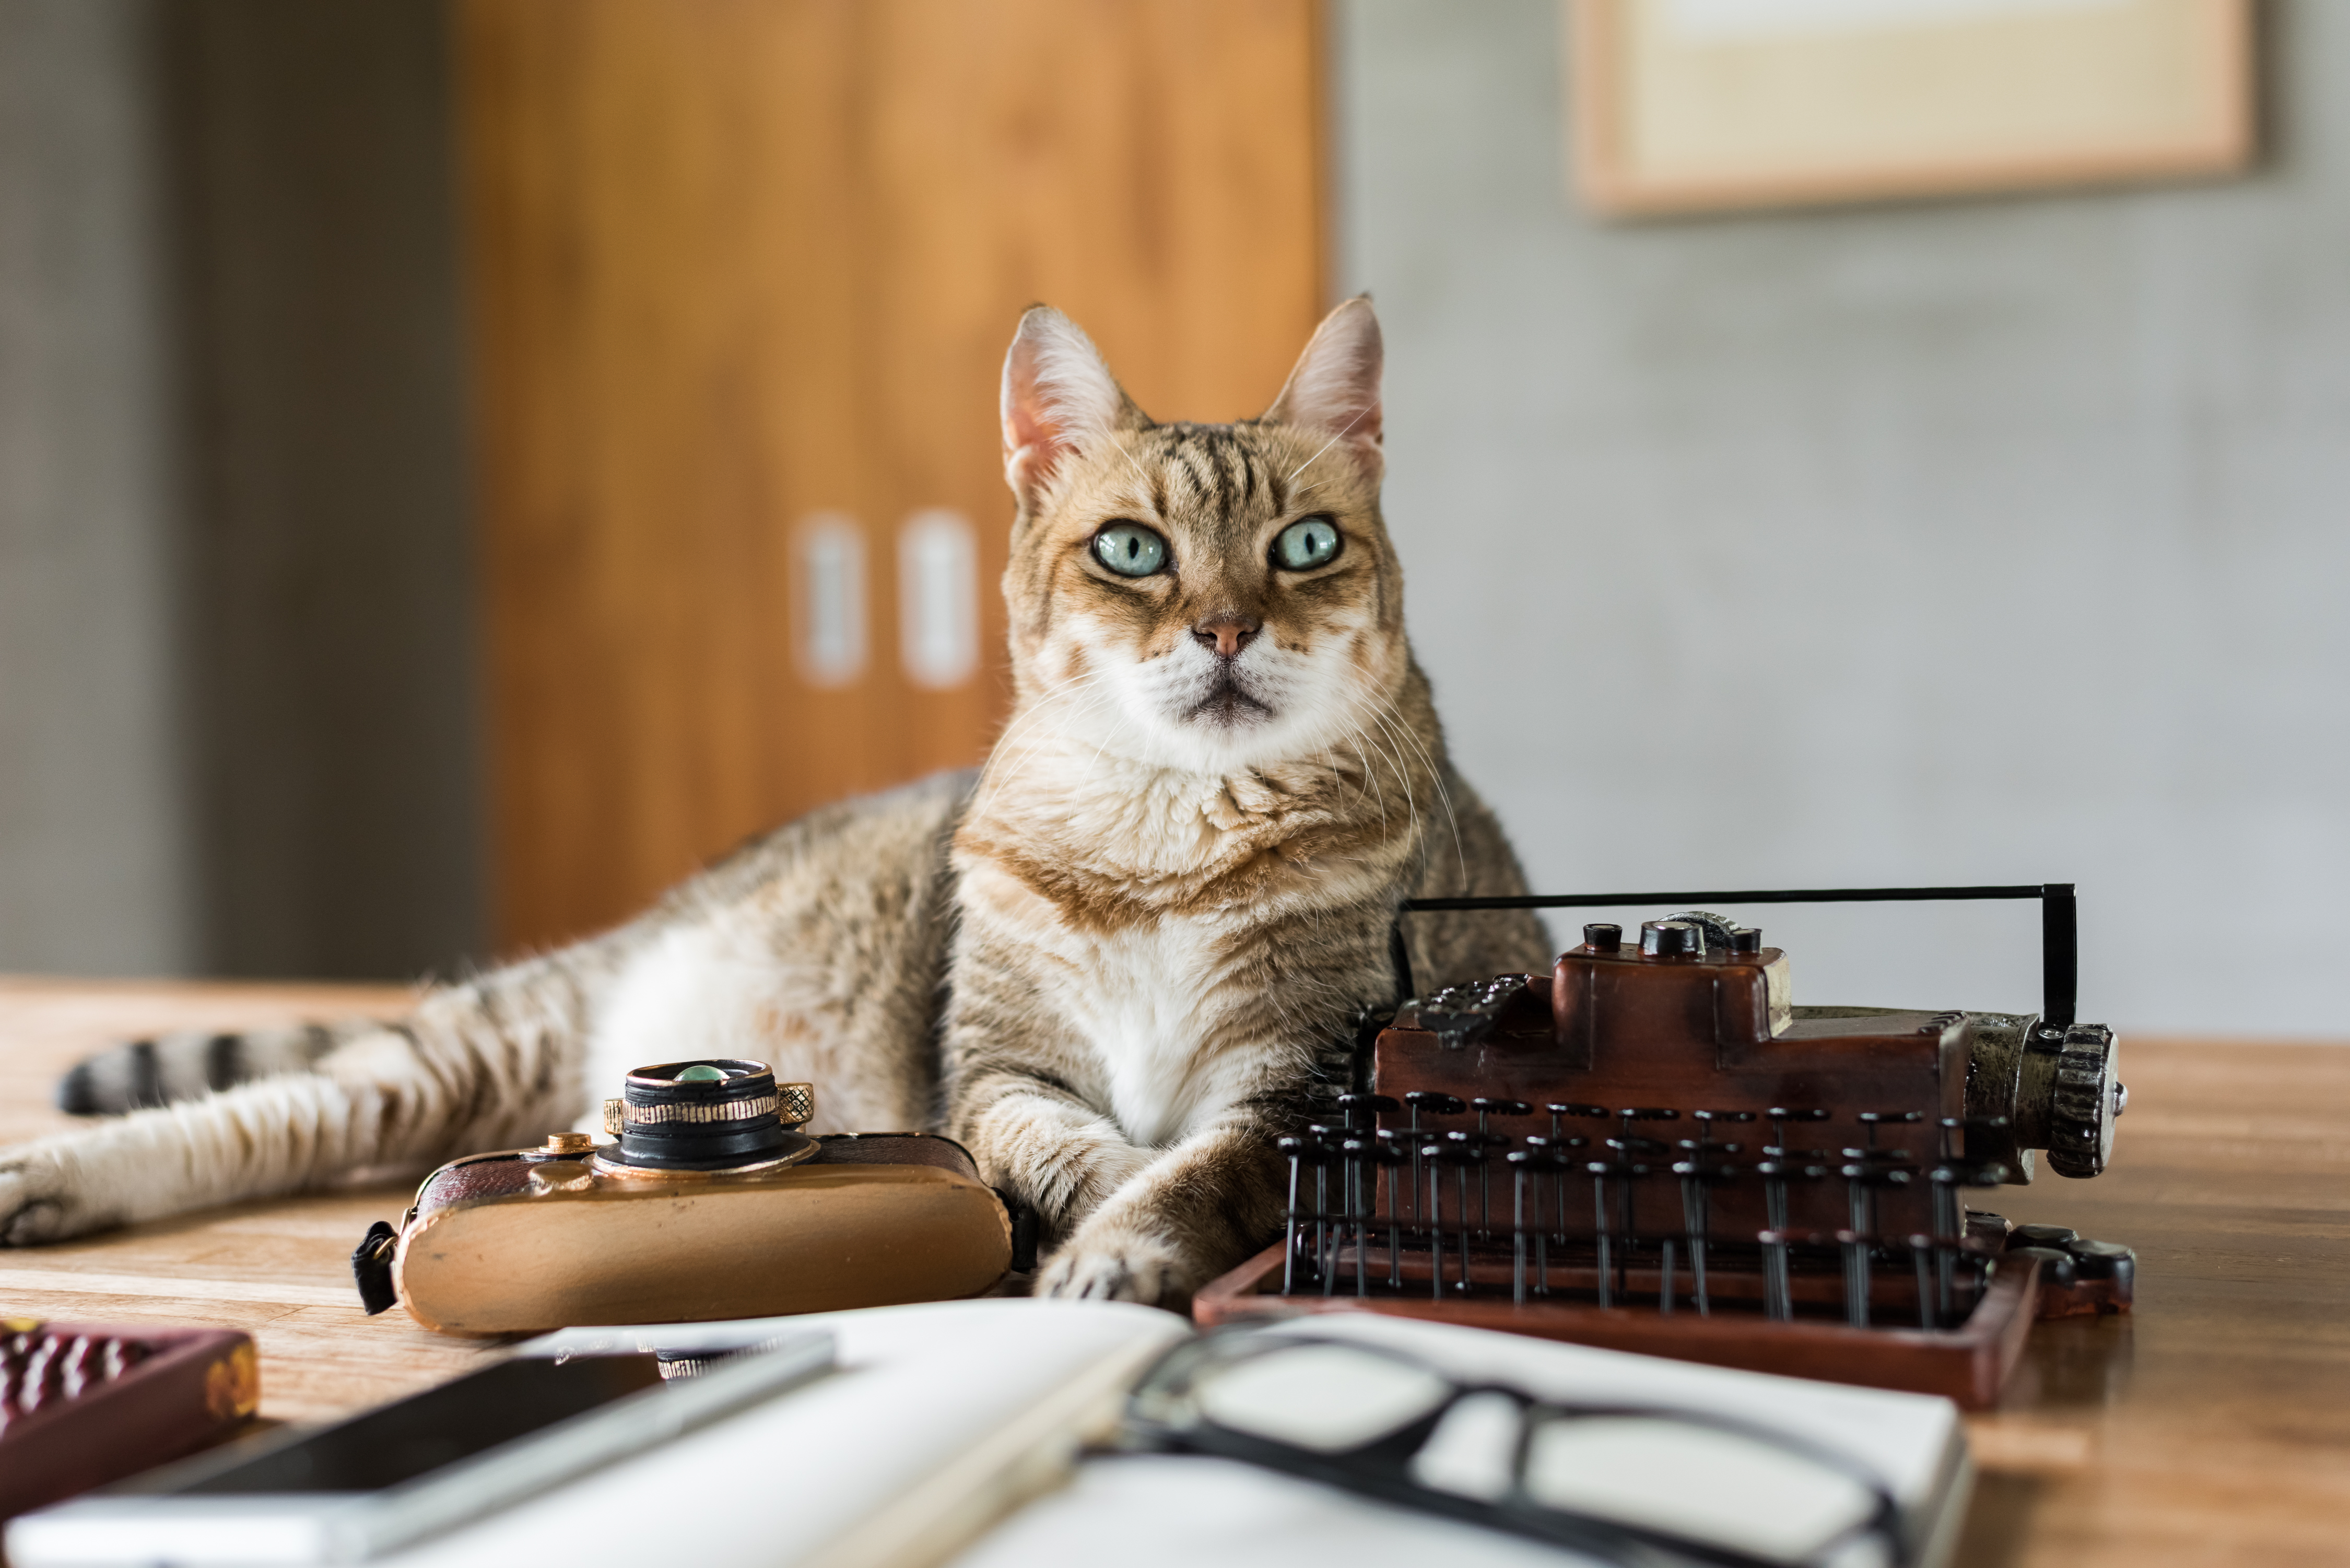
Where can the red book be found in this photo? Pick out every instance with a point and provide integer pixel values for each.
(82, 1403)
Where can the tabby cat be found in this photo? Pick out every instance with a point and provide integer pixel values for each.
(1115, 963)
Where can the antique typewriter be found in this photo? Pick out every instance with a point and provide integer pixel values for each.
(1652, 1149)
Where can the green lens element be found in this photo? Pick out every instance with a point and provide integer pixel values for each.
(700, 1073)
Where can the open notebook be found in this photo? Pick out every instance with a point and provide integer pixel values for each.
(947, 1432)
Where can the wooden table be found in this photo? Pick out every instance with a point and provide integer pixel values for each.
(2213, 1426)
(279, 1271)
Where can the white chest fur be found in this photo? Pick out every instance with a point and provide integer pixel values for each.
(1146, 1003)
(1140, 1014)
(1169, 996)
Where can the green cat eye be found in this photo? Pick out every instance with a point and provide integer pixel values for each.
(1130, 549)
(1305, 543)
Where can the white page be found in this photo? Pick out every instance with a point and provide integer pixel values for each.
(937, 1417)
(928, 1406)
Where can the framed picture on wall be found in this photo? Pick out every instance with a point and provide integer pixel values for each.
(1680, 106)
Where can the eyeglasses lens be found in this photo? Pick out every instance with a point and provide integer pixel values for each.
(1330, 1398)
(1473, 1450)
(1700, 1483)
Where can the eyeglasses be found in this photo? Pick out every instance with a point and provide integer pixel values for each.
(1624, 1483)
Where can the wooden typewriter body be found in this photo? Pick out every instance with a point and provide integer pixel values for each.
(1652, 1149)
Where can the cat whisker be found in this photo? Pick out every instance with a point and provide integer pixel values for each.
(1119, 714)
(1338, 779)
(1093, 697)
(1040, 704)
(1129, 455)
(1030, 718)
(1092, 701)
(1436, 775)
(1403, 774)
(1045, 705)
(1352, 737)
(1326, 445)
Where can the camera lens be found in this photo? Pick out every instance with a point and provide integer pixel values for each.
(706, 1116)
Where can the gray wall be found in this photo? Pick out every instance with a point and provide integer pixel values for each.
(1996, 540)
(96, 852)
(236, 711)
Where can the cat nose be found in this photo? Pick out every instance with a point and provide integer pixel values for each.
(1226, 634)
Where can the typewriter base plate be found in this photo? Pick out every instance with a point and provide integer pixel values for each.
(1968, 1364)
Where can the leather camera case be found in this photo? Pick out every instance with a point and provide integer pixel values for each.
(532, 1240)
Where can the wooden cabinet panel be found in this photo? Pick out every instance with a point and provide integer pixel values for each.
(738, 265)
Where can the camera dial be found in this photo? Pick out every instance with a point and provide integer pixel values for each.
(713, 1116)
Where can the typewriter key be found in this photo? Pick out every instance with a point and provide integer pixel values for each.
(1872, 1120)
(1599, 1171)
(1436, 1157)
(1294, 1151)
(1706, 1119)
(1583, 1112)
(1699, 1172)
(1518, 1159)
(1777, 1302)
(1923, 1255)
(1389, 1155)
(1434, 1105)
(1322, 1141)
(1855, 1246)
(1780, 1116)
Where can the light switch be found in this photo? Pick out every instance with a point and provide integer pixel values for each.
(938, 599)
(830, 595)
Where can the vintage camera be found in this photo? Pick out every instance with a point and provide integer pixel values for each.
(709, 1203)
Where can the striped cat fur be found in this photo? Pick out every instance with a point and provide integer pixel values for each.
(1115, 963)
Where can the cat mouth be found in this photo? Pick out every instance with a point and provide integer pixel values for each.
(1228, 703)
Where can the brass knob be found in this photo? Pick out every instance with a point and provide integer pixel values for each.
(616, 1116)
(795, 1104)
(567, 1143)
(561, 1176)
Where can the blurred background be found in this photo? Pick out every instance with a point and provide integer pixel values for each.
(464, 463)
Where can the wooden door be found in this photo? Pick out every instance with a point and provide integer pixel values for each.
(743, 271)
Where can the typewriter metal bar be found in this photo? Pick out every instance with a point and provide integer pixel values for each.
(2060, 940)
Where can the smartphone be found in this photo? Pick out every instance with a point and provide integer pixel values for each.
(397, 1474)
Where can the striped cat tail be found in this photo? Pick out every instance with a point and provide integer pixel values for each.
(190, 1064)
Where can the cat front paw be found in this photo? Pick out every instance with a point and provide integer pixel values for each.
(1119, 1268)
(37, 1201)
(31, 1208)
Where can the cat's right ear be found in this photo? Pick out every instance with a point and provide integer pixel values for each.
(1058, 399)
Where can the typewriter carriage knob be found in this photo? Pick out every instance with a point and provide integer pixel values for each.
(2032, 1086)
(2084, 1101)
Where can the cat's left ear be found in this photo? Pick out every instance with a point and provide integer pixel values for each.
(1335, 389)
(1058, 399)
